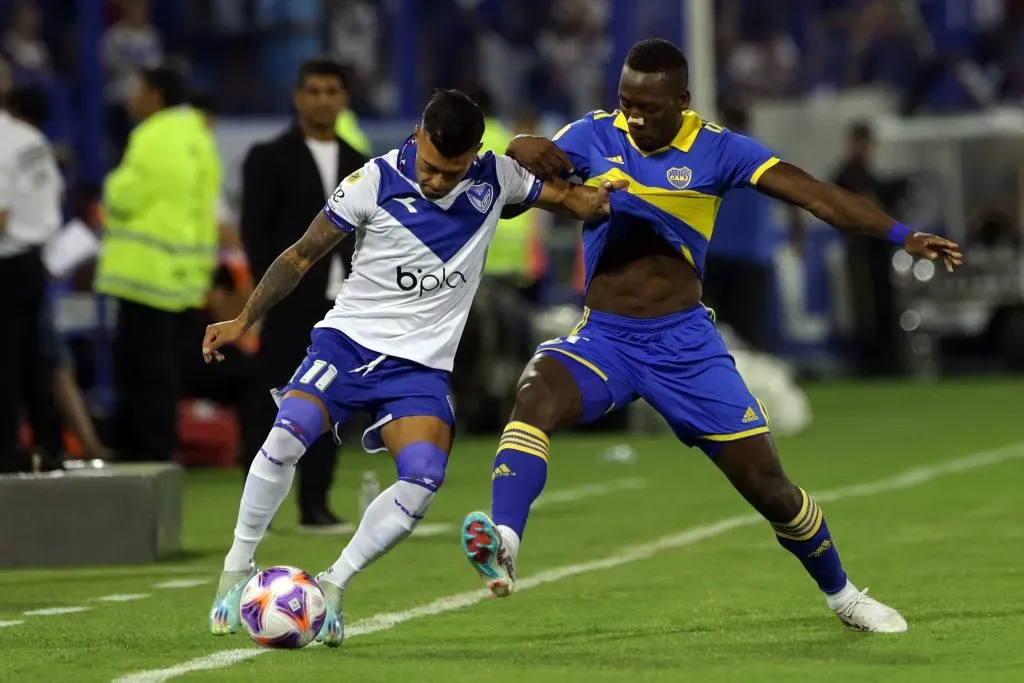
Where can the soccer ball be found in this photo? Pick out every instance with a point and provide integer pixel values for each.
(283, 607)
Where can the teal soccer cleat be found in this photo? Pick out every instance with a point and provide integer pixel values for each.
(333, 631)
(224, 614)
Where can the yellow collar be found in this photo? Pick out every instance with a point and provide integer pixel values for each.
(683, 140)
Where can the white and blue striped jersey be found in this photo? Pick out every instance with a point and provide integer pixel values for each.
(418, 262)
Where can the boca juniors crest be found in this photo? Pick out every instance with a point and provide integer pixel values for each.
(480, 196)
(679, 178)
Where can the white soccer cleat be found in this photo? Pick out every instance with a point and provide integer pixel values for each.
(862, 613)
(490, 554)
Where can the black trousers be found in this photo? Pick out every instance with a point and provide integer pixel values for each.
(26, 374)
(874, 311)
(740, 292)
(274, 366)
(148, 383)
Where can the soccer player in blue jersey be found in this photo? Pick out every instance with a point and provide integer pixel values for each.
(644, 333)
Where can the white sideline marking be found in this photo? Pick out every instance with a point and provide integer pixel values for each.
(436, 529)
(587, 491)
(55, 611)
(182, 583)
(423, 530)
(387, 620)
(122, 597)
(126, 571)
(570, 495)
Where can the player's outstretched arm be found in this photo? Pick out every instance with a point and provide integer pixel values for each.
(280, 279)
(581, 202)
(852, 213)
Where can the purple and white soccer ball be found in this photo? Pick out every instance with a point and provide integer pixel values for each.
(283, 607)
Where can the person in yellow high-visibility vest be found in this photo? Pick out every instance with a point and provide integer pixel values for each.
(347, 128)
(158, 256)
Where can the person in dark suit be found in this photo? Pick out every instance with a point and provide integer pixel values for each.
(286, 182)
(868, 261)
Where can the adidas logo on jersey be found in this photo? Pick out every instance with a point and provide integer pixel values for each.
(617, 159)
(750, 416)
(502, 470)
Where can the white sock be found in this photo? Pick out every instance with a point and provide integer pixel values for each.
(265, 489)
(389, 518)
(510, 539)
(847, 593)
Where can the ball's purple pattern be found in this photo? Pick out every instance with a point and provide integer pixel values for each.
(267, 576)
(252, 615)
(290, 598)
(285, 602)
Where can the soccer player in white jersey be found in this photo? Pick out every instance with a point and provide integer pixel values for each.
(422, 217)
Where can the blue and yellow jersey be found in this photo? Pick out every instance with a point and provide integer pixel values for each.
(675, 190)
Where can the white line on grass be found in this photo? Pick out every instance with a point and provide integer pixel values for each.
(387, 620)
(570, 495)
(127, 571)
(587, 491)
(423, 530)
(438, 529)
(182, 583)
(122, 597)
(55, 611)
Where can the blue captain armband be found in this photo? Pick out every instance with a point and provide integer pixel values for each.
(899, 233)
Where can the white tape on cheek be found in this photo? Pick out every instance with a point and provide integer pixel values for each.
(638, 120)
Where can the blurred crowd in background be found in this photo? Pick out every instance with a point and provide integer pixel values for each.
(544, 55)
(532, 64)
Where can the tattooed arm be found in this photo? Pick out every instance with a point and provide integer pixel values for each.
(280, 279)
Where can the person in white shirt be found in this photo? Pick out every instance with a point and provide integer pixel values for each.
(30, 212)
(422, 217)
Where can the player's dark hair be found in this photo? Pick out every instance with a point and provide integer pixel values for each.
(167, 81)
(322, 66)
(482, 97)
(30, 104)
(659, 56)
(453, 122)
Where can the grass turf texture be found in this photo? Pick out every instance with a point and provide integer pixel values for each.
(731, 607)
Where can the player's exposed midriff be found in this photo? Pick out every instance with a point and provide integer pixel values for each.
(643, 277)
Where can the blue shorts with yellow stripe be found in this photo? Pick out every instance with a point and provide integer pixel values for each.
(678, 363)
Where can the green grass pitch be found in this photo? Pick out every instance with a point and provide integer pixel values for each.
(650, 571)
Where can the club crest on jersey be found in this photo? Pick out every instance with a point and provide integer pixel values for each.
(679, 177)
(481, 196)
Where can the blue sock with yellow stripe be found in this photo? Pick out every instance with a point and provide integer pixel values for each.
(808, 537)
(520, 471)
